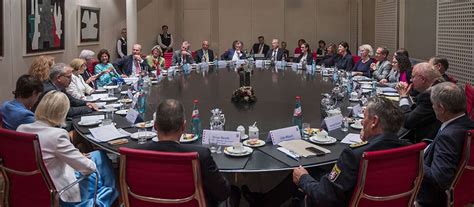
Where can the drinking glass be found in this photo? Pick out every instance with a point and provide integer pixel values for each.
(306, 127)
(345, 124)
(142, 135)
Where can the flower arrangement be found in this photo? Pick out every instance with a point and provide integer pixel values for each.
(244, 94)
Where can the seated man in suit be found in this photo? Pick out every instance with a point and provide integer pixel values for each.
(275, 53)
(182, 56)
(132, 65)
(234, 53)
(260, 47)
(443, 155)
(442, 65)
(60, 77)
(170, 124)
(420, 119)
(382, 120)
(205, 53)
(286, 53)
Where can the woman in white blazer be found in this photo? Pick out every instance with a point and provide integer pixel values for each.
(65, 162)
(78, 88)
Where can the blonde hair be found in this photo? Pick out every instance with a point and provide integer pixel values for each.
(40, 67)
(53, 108)
(428, 71)
(76, 64)
(368, 48)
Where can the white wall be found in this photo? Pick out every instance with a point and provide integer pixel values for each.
(14, 64)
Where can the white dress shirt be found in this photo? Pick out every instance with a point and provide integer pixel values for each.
(236, 56)
(60, 157)
(78, 88)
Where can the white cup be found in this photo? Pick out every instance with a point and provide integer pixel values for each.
(253, 132)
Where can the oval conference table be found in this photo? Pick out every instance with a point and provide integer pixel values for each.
(275, 89)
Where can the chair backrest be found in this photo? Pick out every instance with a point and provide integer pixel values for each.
(152, 178)
(355, 59)
(193, 54)
(168, 59)
(315, 55)
(389, 177)
(469, 90)
(27, 182)
(461, 190)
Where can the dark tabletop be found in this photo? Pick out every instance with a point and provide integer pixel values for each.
(275, 90)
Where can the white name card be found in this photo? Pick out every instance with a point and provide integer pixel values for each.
(240, 62)
(259, 55)
(132, 115)
(259, 63)
(356, 110)
(333, 122)
(222, 63)
(223, 138)
(92, 118)
(284, 134)
(130, 94)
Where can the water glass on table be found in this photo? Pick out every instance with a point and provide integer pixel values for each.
(306, 128)
(212, 144)
(345, 124)
(142, 135)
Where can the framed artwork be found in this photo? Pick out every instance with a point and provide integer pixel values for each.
(43, 30)
(88, 25)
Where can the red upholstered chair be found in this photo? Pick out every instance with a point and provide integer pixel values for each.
(389, 177)
(193, 54)
(168, 59)
(1, 120)
(469, 90)
(152, 178)
(461, 190)
(27, 181)
(355, 59)
(315, 54)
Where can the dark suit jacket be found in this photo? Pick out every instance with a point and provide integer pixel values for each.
(125, 65)
(256, 46)
(336, 188)
(345, 63)
(200, 53)
(230, 53)
(309, 58)
(420, 119)
(441, 160)
(177, 56)
(78, 107)
(279, 55)
(216, 187)
(328, 60)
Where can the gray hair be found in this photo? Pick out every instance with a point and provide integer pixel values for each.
(390, 115)
(87, 54)
(169, 116)
(450, 96)
(57, 70)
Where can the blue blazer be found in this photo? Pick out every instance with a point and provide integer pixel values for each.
(124, 65)
(230, 53)
(14, 114)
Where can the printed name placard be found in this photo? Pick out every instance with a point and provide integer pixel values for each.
(223, 138)
(284, 134)
(356, 110)
(222, 63)
(333, 122)
(132, 115)
(259, 63)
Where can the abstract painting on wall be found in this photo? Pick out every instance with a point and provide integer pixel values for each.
(89, 25)
(44, 23)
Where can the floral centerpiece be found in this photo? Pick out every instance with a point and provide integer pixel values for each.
(244, 94)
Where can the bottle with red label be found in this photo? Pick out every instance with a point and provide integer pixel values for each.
(297, 114)
(196, 121)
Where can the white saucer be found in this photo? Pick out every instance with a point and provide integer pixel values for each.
(393, 94)
(114, 105)
(148, 134)
(99, 90)
(92, 99)
(356, 126)
(89, 123)
(259, 144)
(122, 112)
(146, 124)
(354, 99)
(109, 99)
(327, 140)
(183, 140)
(230, 151)
(125, 100)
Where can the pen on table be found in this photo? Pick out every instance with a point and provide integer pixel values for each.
(293, 157)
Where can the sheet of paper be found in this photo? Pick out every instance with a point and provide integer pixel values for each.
(222, 138)
(106, 133)
(299, 147)
(351, 138)
(333, 122)
(99, 95)
(284, 134)
(92, 118)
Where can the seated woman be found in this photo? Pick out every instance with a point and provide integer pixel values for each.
(18, 111)
(401, 71)
(90, 58)
(109, 74)
(64, 162)
(298, 48)
(154, 60)
(78, 88)
(305, 56)
(362, 67)
(344, 60)
(234, 53)
(322, 50)
(329, 60)
(40, 67)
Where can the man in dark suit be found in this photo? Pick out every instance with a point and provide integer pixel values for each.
(275, 53)
(170, 124)
(260, 47)
(420, 119)
(382, 120)
(183, 55)
(205, 53)
(442, 65)
(132, 65)
(443, 155)
(59, 79)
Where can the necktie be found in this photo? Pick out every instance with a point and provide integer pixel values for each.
(260, 49)
(274, 55)
(206, 56)
(182, 59)
(137, 67)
